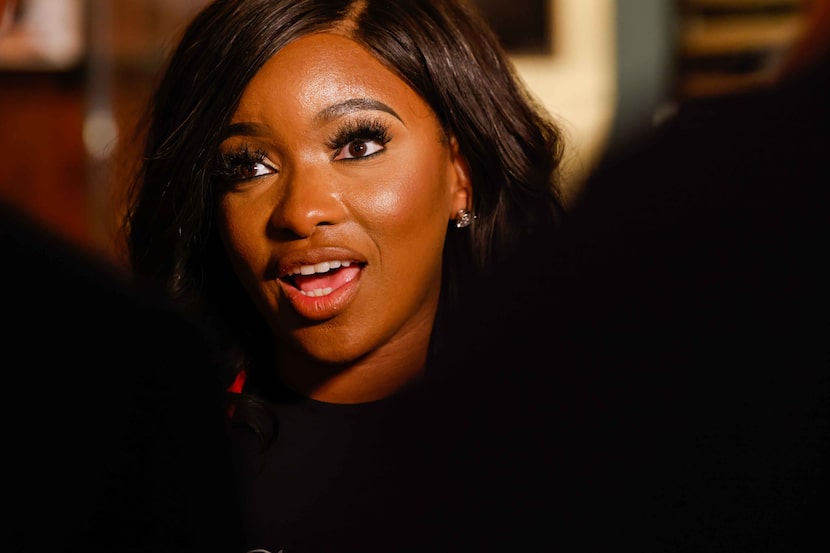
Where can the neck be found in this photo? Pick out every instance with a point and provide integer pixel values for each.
(377, 375)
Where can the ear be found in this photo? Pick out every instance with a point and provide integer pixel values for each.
(461, 187)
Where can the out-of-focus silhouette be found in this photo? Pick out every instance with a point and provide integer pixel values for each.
(689, 326)
(113, 421)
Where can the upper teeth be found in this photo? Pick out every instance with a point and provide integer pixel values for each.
(322, 267)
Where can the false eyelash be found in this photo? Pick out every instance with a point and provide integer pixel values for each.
(359, 130)
(227, 164)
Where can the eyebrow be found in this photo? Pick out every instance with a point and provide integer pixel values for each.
(352, 105)
(243, 129)
(324, 115)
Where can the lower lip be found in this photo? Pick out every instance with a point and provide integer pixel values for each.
(319, 308)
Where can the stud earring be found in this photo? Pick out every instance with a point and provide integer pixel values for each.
(463, 218)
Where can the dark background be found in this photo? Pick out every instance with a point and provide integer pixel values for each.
(524, 26)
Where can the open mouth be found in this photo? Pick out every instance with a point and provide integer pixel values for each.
(321, 279)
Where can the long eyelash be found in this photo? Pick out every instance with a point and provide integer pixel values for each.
(227, 164)
(359, 130)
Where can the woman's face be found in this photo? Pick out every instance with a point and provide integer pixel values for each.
(343, 187)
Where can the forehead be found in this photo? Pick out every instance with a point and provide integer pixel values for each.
(322, 69)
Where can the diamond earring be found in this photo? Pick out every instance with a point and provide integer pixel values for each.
(463, 218)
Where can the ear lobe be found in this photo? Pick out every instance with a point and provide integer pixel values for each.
(461, 187)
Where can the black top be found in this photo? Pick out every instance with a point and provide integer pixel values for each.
(337, 477)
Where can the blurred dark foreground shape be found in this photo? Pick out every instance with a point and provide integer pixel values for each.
(113, 420)
(687, 329)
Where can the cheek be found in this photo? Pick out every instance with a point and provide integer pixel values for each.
(237, 227)
(412, 198)
(407, 216)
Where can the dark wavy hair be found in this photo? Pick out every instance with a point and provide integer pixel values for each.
(441, 48)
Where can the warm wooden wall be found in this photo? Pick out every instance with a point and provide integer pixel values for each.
(42, 161)
(45, 167)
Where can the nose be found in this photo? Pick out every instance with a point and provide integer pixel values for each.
(309, 199)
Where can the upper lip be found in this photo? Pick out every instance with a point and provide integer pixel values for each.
(290, 262)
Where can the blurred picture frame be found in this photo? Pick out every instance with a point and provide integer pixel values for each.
(524, 27)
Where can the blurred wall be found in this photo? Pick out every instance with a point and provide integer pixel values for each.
(576, 81)
(74, 77)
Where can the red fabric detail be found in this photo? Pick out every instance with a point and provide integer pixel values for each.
(238, 382)
(236, 388)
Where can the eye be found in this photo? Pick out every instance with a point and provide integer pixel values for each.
(359, 149)
(251, 170)
(359, 140)
(244, 164)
